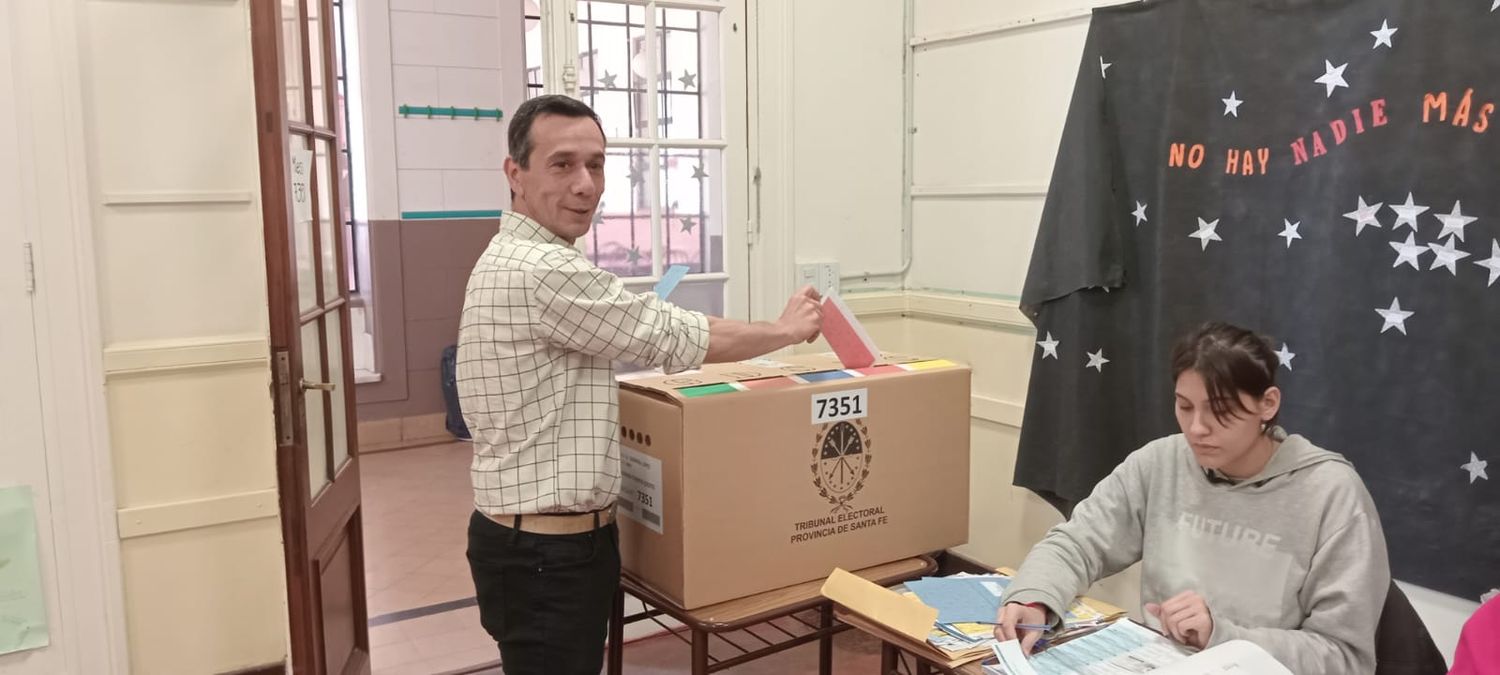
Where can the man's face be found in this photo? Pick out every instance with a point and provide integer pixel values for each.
(561, 186)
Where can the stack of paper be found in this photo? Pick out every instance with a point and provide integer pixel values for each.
(958, 599)
(1123, 647)
(969, 605)
(962, 598)
(1127, 647)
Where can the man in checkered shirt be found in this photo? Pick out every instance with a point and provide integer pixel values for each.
(541, 330)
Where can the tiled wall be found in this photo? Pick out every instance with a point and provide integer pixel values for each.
(441, 53)
(420, 271)
(454, 53)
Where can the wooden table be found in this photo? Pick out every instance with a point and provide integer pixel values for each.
(893, 647)
(703, 623)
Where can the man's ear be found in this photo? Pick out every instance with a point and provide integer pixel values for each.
(513, 176)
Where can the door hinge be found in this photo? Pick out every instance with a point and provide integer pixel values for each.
(283, 385)
(570, 79)
(30, 268)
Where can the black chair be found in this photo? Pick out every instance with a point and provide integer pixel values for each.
(1402, 644)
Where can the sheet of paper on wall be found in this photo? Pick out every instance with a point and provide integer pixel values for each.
(846, 335)
(23, 607)
(301, 178)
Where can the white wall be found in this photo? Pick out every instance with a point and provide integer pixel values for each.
(988, 113)
(846, 101)
(985, 124)
(827, 95)
(51, 407)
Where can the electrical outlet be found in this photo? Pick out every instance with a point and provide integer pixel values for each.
(808, 274)
(822, 276)
(828, 278)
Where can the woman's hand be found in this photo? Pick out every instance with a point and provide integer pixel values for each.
(1016, 621)
(1185, 618)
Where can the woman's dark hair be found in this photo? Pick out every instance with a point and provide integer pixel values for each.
(1231, 360)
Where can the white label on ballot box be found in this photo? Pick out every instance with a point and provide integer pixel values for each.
(640, 488)
(840, 405)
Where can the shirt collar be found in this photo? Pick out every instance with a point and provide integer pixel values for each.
(521, 226)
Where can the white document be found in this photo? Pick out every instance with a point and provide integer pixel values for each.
(1237, 657)
(1012, 660)
(1125, 647)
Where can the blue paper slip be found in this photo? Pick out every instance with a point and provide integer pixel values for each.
(669, 280)
(961, 599)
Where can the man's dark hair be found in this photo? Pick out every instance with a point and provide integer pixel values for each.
(519, 132)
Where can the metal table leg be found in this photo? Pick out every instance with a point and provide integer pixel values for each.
(825, 643)
(700, 652)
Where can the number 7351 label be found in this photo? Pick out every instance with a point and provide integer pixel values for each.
(840, 405)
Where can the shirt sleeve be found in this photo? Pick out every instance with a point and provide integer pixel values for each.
(1105, 535)
(584, 308)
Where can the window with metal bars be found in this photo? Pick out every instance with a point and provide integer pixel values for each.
(612, 72)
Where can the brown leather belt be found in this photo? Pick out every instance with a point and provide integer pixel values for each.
(556, 523)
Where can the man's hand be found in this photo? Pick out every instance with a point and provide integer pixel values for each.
(1015, 614)
(803, 318)
(1185, 618)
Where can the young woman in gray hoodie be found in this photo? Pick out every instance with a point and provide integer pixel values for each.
(1244, 532)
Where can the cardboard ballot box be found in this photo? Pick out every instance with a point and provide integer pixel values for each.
(743, 478)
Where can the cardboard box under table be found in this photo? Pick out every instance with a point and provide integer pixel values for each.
(746, 477)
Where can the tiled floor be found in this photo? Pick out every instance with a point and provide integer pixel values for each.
(854, 654)
(417, 504)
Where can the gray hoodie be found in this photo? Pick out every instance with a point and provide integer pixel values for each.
(1292, 559)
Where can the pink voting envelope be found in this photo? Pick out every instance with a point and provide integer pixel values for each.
(849, 340)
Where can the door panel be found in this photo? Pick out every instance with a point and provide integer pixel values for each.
(307, 283)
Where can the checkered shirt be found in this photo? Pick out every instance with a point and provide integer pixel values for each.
(542, 328)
